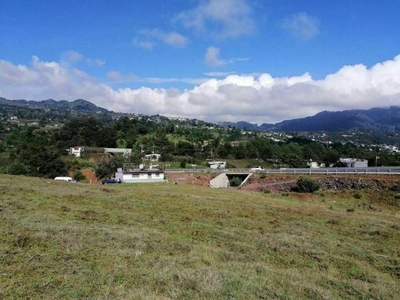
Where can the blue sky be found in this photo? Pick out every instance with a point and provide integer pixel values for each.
(215, 60)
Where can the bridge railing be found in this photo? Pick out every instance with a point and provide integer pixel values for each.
(310, 171)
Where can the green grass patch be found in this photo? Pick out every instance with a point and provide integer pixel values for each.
(164, 241)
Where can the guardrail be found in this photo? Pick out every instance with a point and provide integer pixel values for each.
(310, 171)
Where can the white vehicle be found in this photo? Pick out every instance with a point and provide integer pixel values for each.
(65, 178)
(256, 169)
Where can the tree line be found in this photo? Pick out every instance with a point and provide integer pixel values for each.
(40, 151)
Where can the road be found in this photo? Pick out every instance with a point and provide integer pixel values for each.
(309, 171)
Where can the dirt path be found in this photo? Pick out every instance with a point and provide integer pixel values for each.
(90, 176)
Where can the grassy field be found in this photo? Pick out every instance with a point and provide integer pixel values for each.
(170, 241)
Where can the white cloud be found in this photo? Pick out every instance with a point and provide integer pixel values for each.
(149, 38)
(117, 76)
(95, 62)
(302, 26)
(74, 57)
(212, 59)
(146, 45)
(220, 19)
(219, 74)
(260, 98)
(160, 80)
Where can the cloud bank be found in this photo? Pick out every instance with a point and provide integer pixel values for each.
(259, 99)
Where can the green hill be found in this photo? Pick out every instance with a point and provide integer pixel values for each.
(165, 241)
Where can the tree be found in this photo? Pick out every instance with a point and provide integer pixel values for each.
(331, 157)
(107, 166)
(17, 168)
(306, 185)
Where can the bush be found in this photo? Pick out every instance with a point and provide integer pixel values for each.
(17, 168)
(235, 181)
(306, 185)
(230, 166)
(78, 176)
(358, 196)
(183, 164)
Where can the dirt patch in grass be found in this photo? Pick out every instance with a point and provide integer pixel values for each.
(88, 173)
(191, 179)
(285, 183)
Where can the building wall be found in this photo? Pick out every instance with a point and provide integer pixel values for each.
(221, 181)
(143, 177)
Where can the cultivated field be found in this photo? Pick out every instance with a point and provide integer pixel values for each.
(179, 241)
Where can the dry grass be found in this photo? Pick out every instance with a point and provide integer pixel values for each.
(165, 241)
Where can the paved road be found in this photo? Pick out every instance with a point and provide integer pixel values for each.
(310, 171)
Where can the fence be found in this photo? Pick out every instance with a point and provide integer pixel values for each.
(309, 171)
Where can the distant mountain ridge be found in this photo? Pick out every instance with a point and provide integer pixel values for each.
(78, 105)
(385, 119)
(380, 119)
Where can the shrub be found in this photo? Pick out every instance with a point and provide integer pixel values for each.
(78, 176)
(306, 185)
(17, 168)
(182, 164)
(235, 181)
(358, 196)
(230, 166)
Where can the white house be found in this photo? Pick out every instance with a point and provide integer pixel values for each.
(77, 150)
(141, 175)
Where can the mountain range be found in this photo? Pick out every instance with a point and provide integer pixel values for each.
(77, 105)
(379, 118)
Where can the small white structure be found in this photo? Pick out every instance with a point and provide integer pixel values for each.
(217, 164)
(355, 162)
(141, 175)
(313, 164)
(221, 181)
(77, 150)
(124, 151)
(152, 157)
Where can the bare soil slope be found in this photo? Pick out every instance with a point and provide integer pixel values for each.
(285, 183)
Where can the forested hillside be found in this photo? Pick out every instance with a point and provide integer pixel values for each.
(34, 141)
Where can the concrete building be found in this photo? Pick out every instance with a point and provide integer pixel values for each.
(77, 151)
(141, 175)
(355, 162)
